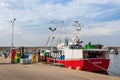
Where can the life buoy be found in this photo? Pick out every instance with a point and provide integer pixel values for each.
(78, 68)
(86, 55)
(103, 55)
(69, 67)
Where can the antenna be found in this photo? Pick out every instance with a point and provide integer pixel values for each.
(78, 26)
(60, 30)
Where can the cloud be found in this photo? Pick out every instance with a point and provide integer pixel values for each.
(102, 29)
(3, 5)
(96, 2)
(33, 18)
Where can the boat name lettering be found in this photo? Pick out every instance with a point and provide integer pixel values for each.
(97, 62)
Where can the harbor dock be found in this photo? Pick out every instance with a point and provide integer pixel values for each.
(40, 71)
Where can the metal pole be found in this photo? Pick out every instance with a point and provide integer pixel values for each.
(52, 30)
(12, 44)
(51, 45)
(51, 39)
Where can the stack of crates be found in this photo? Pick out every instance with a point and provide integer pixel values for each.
(26, 61)
(17, 57)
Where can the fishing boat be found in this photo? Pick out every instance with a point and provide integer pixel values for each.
(113, 51)
(92, 57)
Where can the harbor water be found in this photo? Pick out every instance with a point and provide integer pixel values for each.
(114, 66)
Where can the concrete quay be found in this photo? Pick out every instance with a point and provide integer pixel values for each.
(40, 71)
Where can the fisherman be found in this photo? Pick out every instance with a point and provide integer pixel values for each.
(39, 56)
(46, 55)
(34, 56)
(42, 55)
(22, 52)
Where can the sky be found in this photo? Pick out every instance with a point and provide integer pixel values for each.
(101, 20)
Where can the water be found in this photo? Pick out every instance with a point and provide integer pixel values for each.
(114, 66)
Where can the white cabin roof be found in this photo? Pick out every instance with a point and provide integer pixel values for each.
(95, 49)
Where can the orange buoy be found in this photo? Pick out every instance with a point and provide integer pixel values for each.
(78, 68)
(69, 67)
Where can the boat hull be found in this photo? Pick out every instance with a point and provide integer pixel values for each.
(86, 64)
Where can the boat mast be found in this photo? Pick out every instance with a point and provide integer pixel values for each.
(52, 37)
(78, 26)
(60, 30)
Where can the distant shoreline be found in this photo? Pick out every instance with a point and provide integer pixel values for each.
(27, 47)
(43, 47)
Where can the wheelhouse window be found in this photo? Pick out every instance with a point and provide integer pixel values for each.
(94, 54)
(75, 47)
